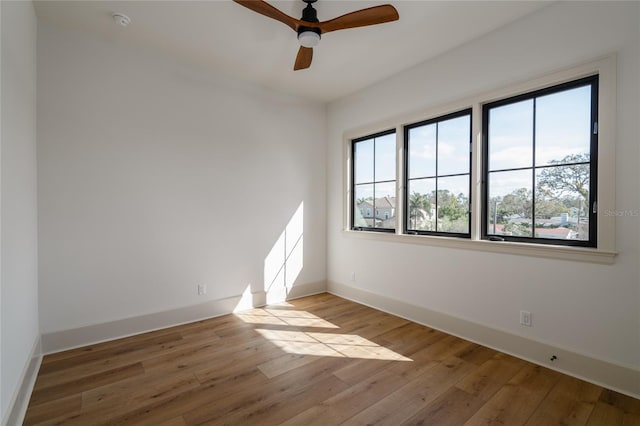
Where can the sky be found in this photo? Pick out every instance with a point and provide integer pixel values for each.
(562, 127)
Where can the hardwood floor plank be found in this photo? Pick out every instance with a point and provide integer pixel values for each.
(453, 407)
(211, 395)
(185, 358)
(424, 359)
(122, 343)
(491, 376)
(284, 363)
(176, 421)
(614, 408)
(246, 360)
(319, 360)
(37, 414)
(349, 402)
(281, 404)
(571, 402)
(101, 352)
(136, 392)
(605, 414)
(276, 393)
(408, 338)
(74, 386)
(111, 360)
(476, 354)
(623, 402)
(406, 401)
(518, 399)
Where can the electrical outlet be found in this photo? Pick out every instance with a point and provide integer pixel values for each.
(353, 276)
(202, 289)
(525, 318)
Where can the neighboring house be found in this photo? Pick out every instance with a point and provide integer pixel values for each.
(562, 233)
(380, 212)
(541, 232)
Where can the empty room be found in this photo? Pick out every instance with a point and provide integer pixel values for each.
(299, 212)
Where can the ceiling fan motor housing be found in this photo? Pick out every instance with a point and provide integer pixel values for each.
(309, 36)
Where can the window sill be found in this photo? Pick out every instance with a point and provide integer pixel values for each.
(580, 254)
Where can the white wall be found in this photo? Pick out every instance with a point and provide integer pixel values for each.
(590, 309)
(156, 176)
(19, 253)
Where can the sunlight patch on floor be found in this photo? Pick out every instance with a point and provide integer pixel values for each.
(310, 342)
(260, 319)
(329, 344)
(284, 316)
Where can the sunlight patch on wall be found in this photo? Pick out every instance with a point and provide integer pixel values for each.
(285, 261)
(246, 300)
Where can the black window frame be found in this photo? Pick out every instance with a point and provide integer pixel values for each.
(592, 81)
(407, 210)
(353, 183)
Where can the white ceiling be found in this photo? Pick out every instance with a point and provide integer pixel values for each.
(228, 38)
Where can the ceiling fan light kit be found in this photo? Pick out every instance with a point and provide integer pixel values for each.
(308, 38)
(310, 29)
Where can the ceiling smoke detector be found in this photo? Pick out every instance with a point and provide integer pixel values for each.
(121, 19)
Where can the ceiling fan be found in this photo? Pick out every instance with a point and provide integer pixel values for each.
(309, 29)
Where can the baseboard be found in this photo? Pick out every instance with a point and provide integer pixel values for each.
(310, 289)
(619, 378)
(20, 400)
(92, 334)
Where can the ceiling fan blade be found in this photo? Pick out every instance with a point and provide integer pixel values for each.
(303, 60)
(361, 18)
(264, 8)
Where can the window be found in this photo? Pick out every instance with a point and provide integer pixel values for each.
(438, 165)
(374, 180)
(537, 168)
(540, 166)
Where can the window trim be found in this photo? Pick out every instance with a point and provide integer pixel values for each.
(605, 252)
(406, 129)
(353, 184)
(593, 82)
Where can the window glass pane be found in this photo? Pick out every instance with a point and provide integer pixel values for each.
(421, 201)
(385, 205)
(385, 163)
(363, 161)
(510, 203)
(563, 127)
(562, 200)
(422, 151)
(454, 137)
(363, 206)
(453, 204)
(511, 136)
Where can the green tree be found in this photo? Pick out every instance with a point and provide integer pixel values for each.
(419, 208)
(518, 202)
(453, 212)
(567, 179)
(548, 207)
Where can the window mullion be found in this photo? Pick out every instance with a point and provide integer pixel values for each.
(437, 205)
(533, 172)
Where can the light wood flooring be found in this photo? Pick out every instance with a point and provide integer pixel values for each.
(319, 360)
